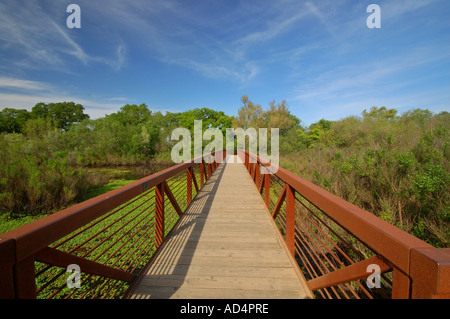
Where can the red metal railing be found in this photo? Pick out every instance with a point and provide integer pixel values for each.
(110, 237)
(338, 246)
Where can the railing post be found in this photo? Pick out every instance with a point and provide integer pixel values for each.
(209, 167)
(202, 172)
(290, 219)
(189, 186)
(159, 215)
(246, 161)
(25, 279)
(17, 279)
(7, 253)
(401, 285)
(267, 189)
(430, 273)
(257, 169)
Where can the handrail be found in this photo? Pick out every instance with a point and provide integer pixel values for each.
(21, 247)
(419, 269)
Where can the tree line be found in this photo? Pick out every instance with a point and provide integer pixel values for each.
(393, 165)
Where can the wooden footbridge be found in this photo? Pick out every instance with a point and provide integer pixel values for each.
(219, 227)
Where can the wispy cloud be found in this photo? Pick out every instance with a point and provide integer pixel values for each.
(14, 83)
(324, 20)
(399, 7)
(273, 29)
(177, 33)
(69, 46)
(118, 99)
(314, 54)
(350, 88)
(24, 94)
(95, 108)
(43, 42)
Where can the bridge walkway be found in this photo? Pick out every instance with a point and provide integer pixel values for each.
(226, 245)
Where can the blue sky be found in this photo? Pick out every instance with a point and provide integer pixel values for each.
(319, 56)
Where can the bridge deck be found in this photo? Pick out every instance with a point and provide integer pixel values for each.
(225, 246)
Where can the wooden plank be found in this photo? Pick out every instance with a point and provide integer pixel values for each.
(202, 293)
(226, 261)
(227, 271)
(245, 222)
(231, 253)
(191, 230)
(221, 282)
(242, 228)
(233, 205)
(229, 237)
(226, 245)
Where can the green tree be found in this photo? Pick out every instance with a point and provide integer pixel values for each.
(13, 120)
(210, 119)
(63, 114)
(419, 116)
(380, 113)
(249, 115)
(37, 128)
(315, 132)
(132, 114)
(278, 116)
(323, 125)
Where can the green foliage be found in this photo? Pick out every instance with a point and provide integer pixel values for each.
(381, 113)
(393, 166)
(249, 115)
(33, 180)
(277, 116)
(210, 119)
(314, 134)
(63, 114)
(45, 152)
(8, 222)
(13, 120)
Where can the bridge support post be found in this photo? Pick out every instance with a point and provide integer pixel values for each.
(189, 186)
(257, 174)
(202, 172)
(17, 278)
(401, 284)
(159, 216)
(430, 273)
(7, 251)
(267, 189)
(24, 279)
(209, 168)
(290, 219)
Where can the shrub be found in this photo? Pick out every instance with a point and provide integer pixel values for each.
(34, 181)
(393, 166)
